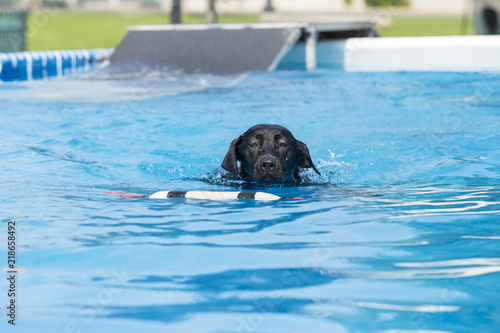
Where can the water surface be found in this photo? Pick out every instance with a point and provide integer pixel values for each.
(402, 235)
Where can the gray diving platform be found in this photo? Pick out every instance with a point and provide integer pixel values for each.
(225, 49)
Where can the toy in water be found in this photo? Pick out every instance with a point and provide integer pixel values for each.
(208, 195)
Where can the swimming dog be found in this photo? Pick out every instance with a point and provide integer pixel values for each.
(267, 154)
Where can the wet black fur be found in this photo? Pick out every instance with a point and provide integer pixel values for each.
(267, 154)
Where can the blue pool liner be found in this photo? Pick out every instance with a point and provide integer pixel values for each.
(20, 66)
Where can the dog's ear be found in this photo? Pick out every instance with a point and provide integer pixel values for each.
(230, 162)
(304, 158)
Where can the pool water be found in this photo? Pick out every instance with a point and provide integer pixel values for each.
(401, 232)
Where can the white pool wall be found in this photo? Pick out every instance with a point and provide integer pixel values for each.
(441, 53)
(448, 54)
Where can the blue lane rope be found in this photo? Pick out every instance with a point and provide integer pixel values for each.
(26, 66)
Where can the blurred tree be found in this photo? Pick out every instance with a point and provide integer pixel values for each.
(269, 7)
(176, 12)
(211, 15)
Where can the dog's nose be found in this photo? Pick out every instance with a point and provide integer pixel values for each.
(267, 165)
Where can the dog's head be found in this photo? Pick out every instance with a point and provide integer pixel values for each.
(268, 154)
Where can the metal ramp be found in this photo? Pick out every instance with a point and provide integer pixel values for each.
(220, 49)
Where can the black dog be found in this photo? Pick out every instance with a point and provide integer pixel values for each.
(268, 154)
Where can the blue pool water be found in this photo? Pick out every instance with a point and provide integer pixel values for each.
(402, 236)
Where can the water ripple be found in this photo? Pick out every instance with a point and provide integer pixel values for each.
(462, 268)
(431, 201)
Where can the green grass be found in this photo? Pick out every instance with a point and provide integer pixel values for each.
(84, 30)
(425, 26)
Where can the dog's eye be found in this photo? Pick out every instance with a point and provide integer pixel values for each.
(284, 145)
(253, 145)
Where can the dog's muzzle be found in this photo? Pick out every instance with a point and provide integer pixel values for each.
(267, 168)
